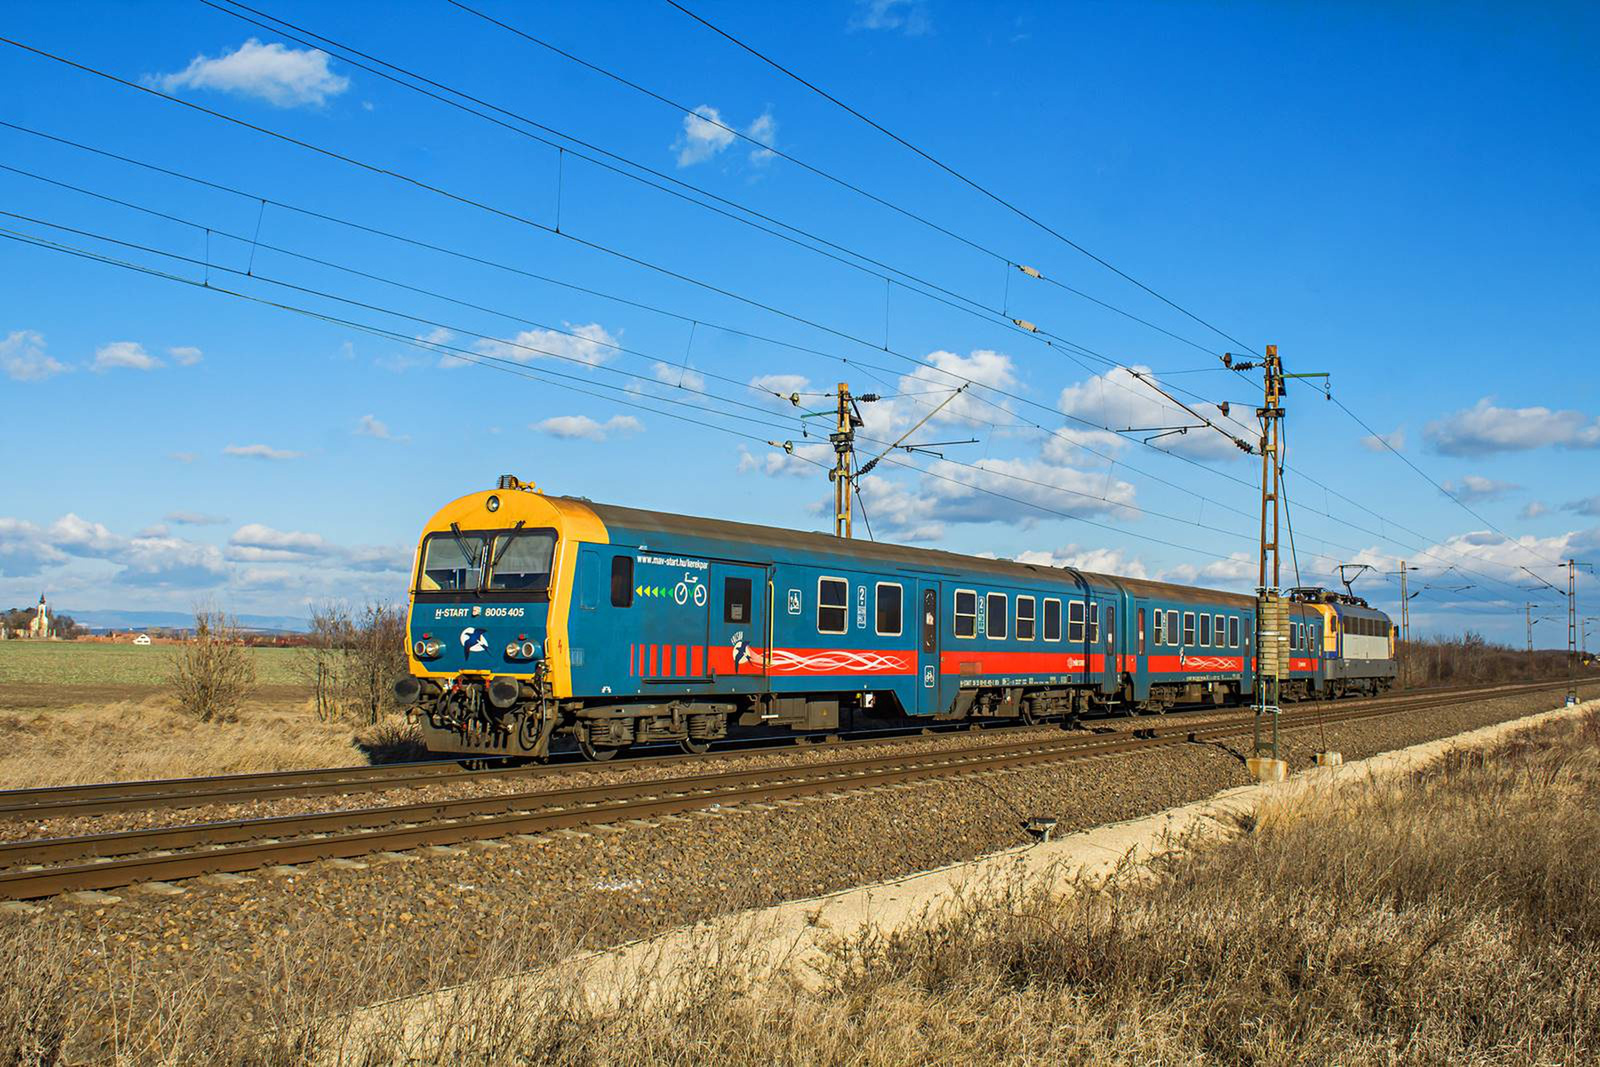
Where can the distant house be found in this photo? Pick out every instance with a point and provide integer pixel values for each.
(142, 639)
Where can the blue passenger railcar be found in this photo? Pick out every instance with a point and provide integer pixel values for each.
(534, 614)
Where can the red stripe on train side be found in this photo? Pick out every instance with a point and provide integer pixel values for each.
(697, 660)
(975, 661)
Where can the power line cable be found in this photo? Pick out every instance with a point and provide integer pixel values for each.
(479, 358)
(924, 363)
(970, 183)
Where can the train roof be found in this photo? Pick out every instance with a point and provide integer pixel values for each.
(927, 558)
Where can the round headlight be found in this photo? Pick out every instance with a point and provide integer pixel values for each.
(493, 503)
(512, 649)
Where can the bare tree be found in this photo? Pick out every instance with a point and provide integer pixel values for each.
(212, 671)
(351, 661)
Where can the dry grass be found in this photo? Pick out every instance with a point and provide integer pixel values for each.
(1451, 917)
(138, 739)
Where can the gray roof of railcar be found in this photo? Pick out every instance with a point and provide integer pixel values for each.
(925, 558)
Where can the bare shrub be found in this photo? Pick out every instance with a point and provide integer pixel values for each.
(391, 740)
(213, 671)
(36, 996)
(351, 660)
(1470, 660)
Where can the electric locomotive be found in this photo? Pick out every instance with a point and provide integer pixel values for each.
(535, 615)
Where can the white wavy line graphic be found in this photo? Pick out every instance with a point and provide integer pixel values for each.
(833, 662)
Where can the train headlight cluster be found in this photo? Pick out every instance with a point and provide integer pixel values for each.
(427, 649)
(521, 650)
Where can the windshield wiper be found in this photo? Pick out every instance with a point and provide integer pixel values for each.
(495, 562)
(470, 555)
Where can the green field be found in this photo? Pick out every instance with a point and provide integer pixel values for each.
(76, 663)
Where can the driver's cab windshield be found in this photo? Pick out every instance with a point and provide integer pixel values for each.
(513, 560)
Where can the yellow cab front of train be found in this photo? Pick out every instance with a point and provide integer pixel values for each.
(491, 593)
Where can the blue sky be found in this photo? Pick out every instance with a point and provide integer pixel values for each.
(1405, 198)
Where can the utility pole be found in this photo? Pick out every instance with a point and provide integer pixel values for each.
(842, 476)
(1572, 567)
(1528, 611)
(1405, 602)
(1272, 615)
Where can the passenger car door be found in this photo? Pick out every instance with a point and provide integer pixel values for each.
(740, 626)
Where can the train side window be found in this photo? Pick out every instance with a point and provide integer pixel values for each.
(1141, 631)
(1219, 629)
(622, 581)
(890, 609)
(588, 582)
(1052, 620)
(1075, 618)
(999, 616)
(1233, 631)
(736, 600)
(1026, 609)
(1205, 629)
(1160, 637)
(1094, 624)
(966, 613)
(1188, 628)
(833, 598)
(930, 620)
(1172, 627)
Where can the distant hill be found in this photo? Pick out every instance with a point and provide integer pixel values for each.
(178, 620)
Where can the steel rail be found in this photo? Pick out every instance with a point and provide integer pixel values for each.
(356, 833)
(98, 798)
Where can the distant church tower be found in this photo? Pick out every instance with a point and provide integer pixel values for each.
(39, 625)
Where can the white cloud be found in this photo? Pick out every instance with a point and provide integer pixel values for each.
(1534, 509)
(704, 136)
(127, 354)
(372, 426)
(255, 542)
(182, 457)
(806, 461)
(280, 75)
(1013, 491)
(1587, 506)
(583, 427)
(763, 130)
(909, 17)
(1238, 572)
(260, 452)
(782, 384)
(1098, 560)
(687, 377)
(194, 518)
(592, 344)
(78, 554)
(918, 393)
(25, 549)
(1484, 429)
(24, 359)
(186, 355)
(1475, 487)
(1382, 442)
(1120, 401)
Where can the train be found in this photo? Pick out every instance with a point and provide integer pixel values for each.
(535, 616)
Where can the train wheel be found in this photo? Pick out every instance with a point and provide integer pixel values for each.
(595, 753)
(694, 746)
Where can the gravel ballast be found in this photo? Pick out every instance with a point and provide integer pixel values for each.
(428, 913)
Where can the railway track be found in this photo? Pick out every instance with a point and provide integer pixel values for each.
(75, 800)
(45, 867)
